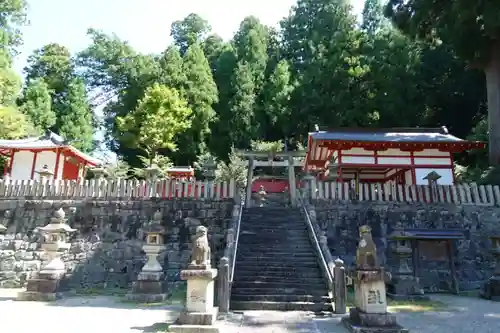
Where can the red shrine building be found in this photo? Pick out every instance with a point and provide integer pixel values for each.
(26, 156)
(400, 155)
(181, 173)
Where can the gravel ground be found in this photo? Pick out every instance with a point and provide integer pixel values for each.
(102, 314)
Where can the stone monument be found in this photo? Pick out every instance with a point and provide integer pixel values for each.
(370, 313)
(491, 289)
(45, 285)
(149, 287)
(199, 314)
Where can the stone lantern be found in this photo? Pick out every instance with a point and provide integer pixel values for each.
(209, 168)
(149, 285)
(45, 173)
(45, 286)
(99, 172)
(404, 284)
(152, 172)
(491, 289)
(432, 179)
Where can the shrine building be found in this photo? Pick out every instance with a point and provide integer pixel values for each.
(50, 152)
(180, 173)
(402, 156)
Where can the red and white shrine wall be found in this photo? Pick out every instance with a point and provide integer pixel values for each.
(404, 167)
(25, 163)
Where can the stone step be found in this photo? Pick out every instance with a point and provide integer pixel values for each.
(277, 254)
(274, 228)
(283, 265)
(248, 272)
(278, 249)
(277, 238)
(277, 279)
(280, 298)
(277, 260)
(280, 287)
(275, 246)
(280, 306)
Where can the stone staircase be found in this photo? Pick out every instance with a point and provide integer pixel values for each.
(276, 267)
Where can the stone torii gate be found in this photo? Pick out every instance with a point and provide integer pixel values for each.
(255, 159)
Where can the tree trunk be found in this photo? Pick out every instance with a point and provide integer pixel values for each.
(492, 71)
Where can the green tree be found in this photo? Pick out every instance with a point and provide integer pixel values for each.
(53, 64)
(276, 104)
(219, 141)
(473, 29)
(172, 72)
(36, 104)
(117, 77)
(75, 119)
(322, 45)
(373, 16)
(201, 94)
(189, 31)
(160, 116)
(241, 107)
(12, 18)
(14, 124)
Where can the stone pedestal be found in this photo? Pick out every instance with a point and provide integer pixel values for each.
(370, 314)
(149, 287)
(46, 284)
(200, 313)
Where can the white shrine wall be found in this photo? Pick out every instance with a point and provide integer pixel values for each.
(397, 160)
(22, 163)
(44, 158)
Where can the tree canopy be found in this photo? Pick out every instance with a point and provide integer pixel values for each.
(322, 65)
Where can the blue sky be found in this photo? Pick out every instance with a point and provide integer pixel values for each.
(145, 23)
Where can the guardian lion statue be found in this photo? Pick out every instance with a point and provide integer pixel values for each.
(200, 255)
(366, 255)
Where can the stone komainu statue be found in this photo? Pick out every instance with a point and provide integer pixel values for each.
(366, 255)
(200, 255)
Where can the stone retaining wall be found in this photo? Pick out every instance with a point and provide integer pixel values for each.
(474, 262)
(106, 250)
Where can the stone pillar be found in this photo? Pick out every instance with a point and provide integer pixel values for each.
(292, 182)
(310, 187)
(340, 287)
(248, 199)
(370, 313)
(149, 287)
(45, 286)
(200, 313)
(491, 289)
(404, 285)
(224, 292)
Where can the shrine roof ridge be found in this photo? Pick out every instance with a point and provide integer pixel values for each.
(407, 135)
(49, 140)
